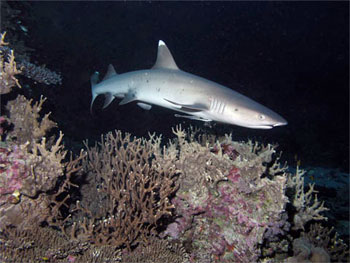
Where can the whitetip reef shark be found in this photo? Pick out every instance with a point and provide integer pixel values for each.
(167, 86)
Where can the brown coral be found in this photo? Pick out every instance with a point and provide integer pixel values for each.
(135, 191)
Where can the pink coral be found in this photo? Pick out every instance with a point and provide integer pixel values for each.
(226, 203)
(13, 170)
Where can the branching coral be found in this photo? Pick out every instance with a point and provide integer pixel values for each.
(306, 203)
(136, 192)
(8, 68)
(28, 126)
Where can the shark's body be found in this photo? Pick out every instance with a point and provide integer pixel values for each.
(167, 86)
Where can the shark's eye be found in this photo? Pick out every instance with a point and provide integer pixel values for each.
(261, 117)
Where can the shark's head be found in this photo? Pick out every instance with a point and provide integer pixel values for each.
(251, 114)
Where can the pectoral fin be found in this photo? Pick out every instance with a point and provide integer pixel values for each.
(191, 117)
(196, 107)
(144, 106)
(108, 99)
(129, 97)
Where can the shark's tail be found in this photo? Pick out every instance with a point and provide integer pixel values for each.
(94, 80)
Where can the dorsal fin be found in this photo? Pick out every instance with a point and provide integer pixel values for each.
(164, 58)
(110, 72)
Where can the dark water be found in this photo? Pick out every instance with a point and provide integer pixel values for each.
(292, 57)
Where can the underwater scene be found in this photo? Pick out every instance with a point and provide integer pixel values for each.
(156, 131)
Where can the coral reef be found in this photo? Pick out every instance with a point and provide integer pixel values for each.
(228, 200)
(35, 176)
(127, 199)
(134, 191)
(27, 177)
(31, 166)
(232, 198)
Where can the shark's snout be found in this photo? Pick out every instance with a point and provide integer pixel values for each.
(281, 123)
(278, 120)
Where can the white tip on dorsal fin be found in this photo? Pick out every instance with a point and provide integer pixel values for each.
(164, 57)
(110, 72)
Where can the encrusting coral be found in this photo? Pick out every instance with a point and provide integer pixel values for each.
(228, 201)
(40, 74)
(232, 198)
(157, 250)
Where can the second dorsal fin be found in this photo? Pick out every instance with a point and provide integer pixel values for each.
(164, 58)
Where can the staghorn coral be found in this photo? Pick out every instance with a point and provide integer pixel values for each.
(28, 125)
(135, 192)
(306, 210)
(8, 68)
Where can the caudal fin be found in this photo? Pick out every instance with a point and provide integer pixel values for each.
(94, 80)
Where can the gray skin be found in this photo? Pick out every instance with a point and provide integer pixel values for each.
(165, 85)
